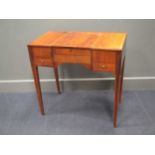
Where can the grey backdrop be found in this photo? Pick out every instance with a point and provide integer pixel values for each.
(15, 65)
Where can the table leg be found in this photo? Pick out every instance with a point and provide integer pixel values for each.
(57, 79)
(38, 88)
(117, 88)
(116, 101)
(121, 81)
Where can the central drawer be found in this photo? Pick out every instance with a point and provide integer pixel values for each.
(66, 55)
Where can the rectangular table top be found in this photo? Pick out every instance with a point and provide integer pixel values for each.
(88, 40)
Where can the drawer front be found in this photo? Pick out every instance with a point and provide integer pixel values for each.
(104, 67)
(107, 57)
(104, 61)
(42, 56)
(71, 56)
(43, 62)
(67, 51)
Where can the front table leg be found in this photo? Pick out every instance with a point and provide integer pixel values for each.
(117, 88)
(116, 101)
(38, 88)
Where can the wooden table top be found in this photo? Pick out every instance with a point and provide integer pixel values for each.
(89, 40)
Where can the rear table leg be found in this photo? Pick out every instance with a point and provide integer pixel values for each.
(57, 79)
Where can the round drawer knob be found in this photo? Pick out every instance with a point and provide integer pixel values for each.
(103, 66)
(42, 60)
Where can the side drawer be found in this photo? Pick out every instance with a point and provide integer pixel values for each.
(42, 56)
(104, 61)
(104, 67)
(108, 57)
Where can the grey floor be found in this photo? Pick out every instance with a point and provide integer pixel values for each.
(78, 112)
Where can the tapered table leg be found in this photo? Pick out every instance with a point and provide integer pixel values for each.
(38, 88)
(57, 79)
(121, 81)
(116, 100)
(117, 88)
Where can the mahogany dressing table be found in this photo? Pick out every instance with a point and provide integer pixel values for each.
(97, 51)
